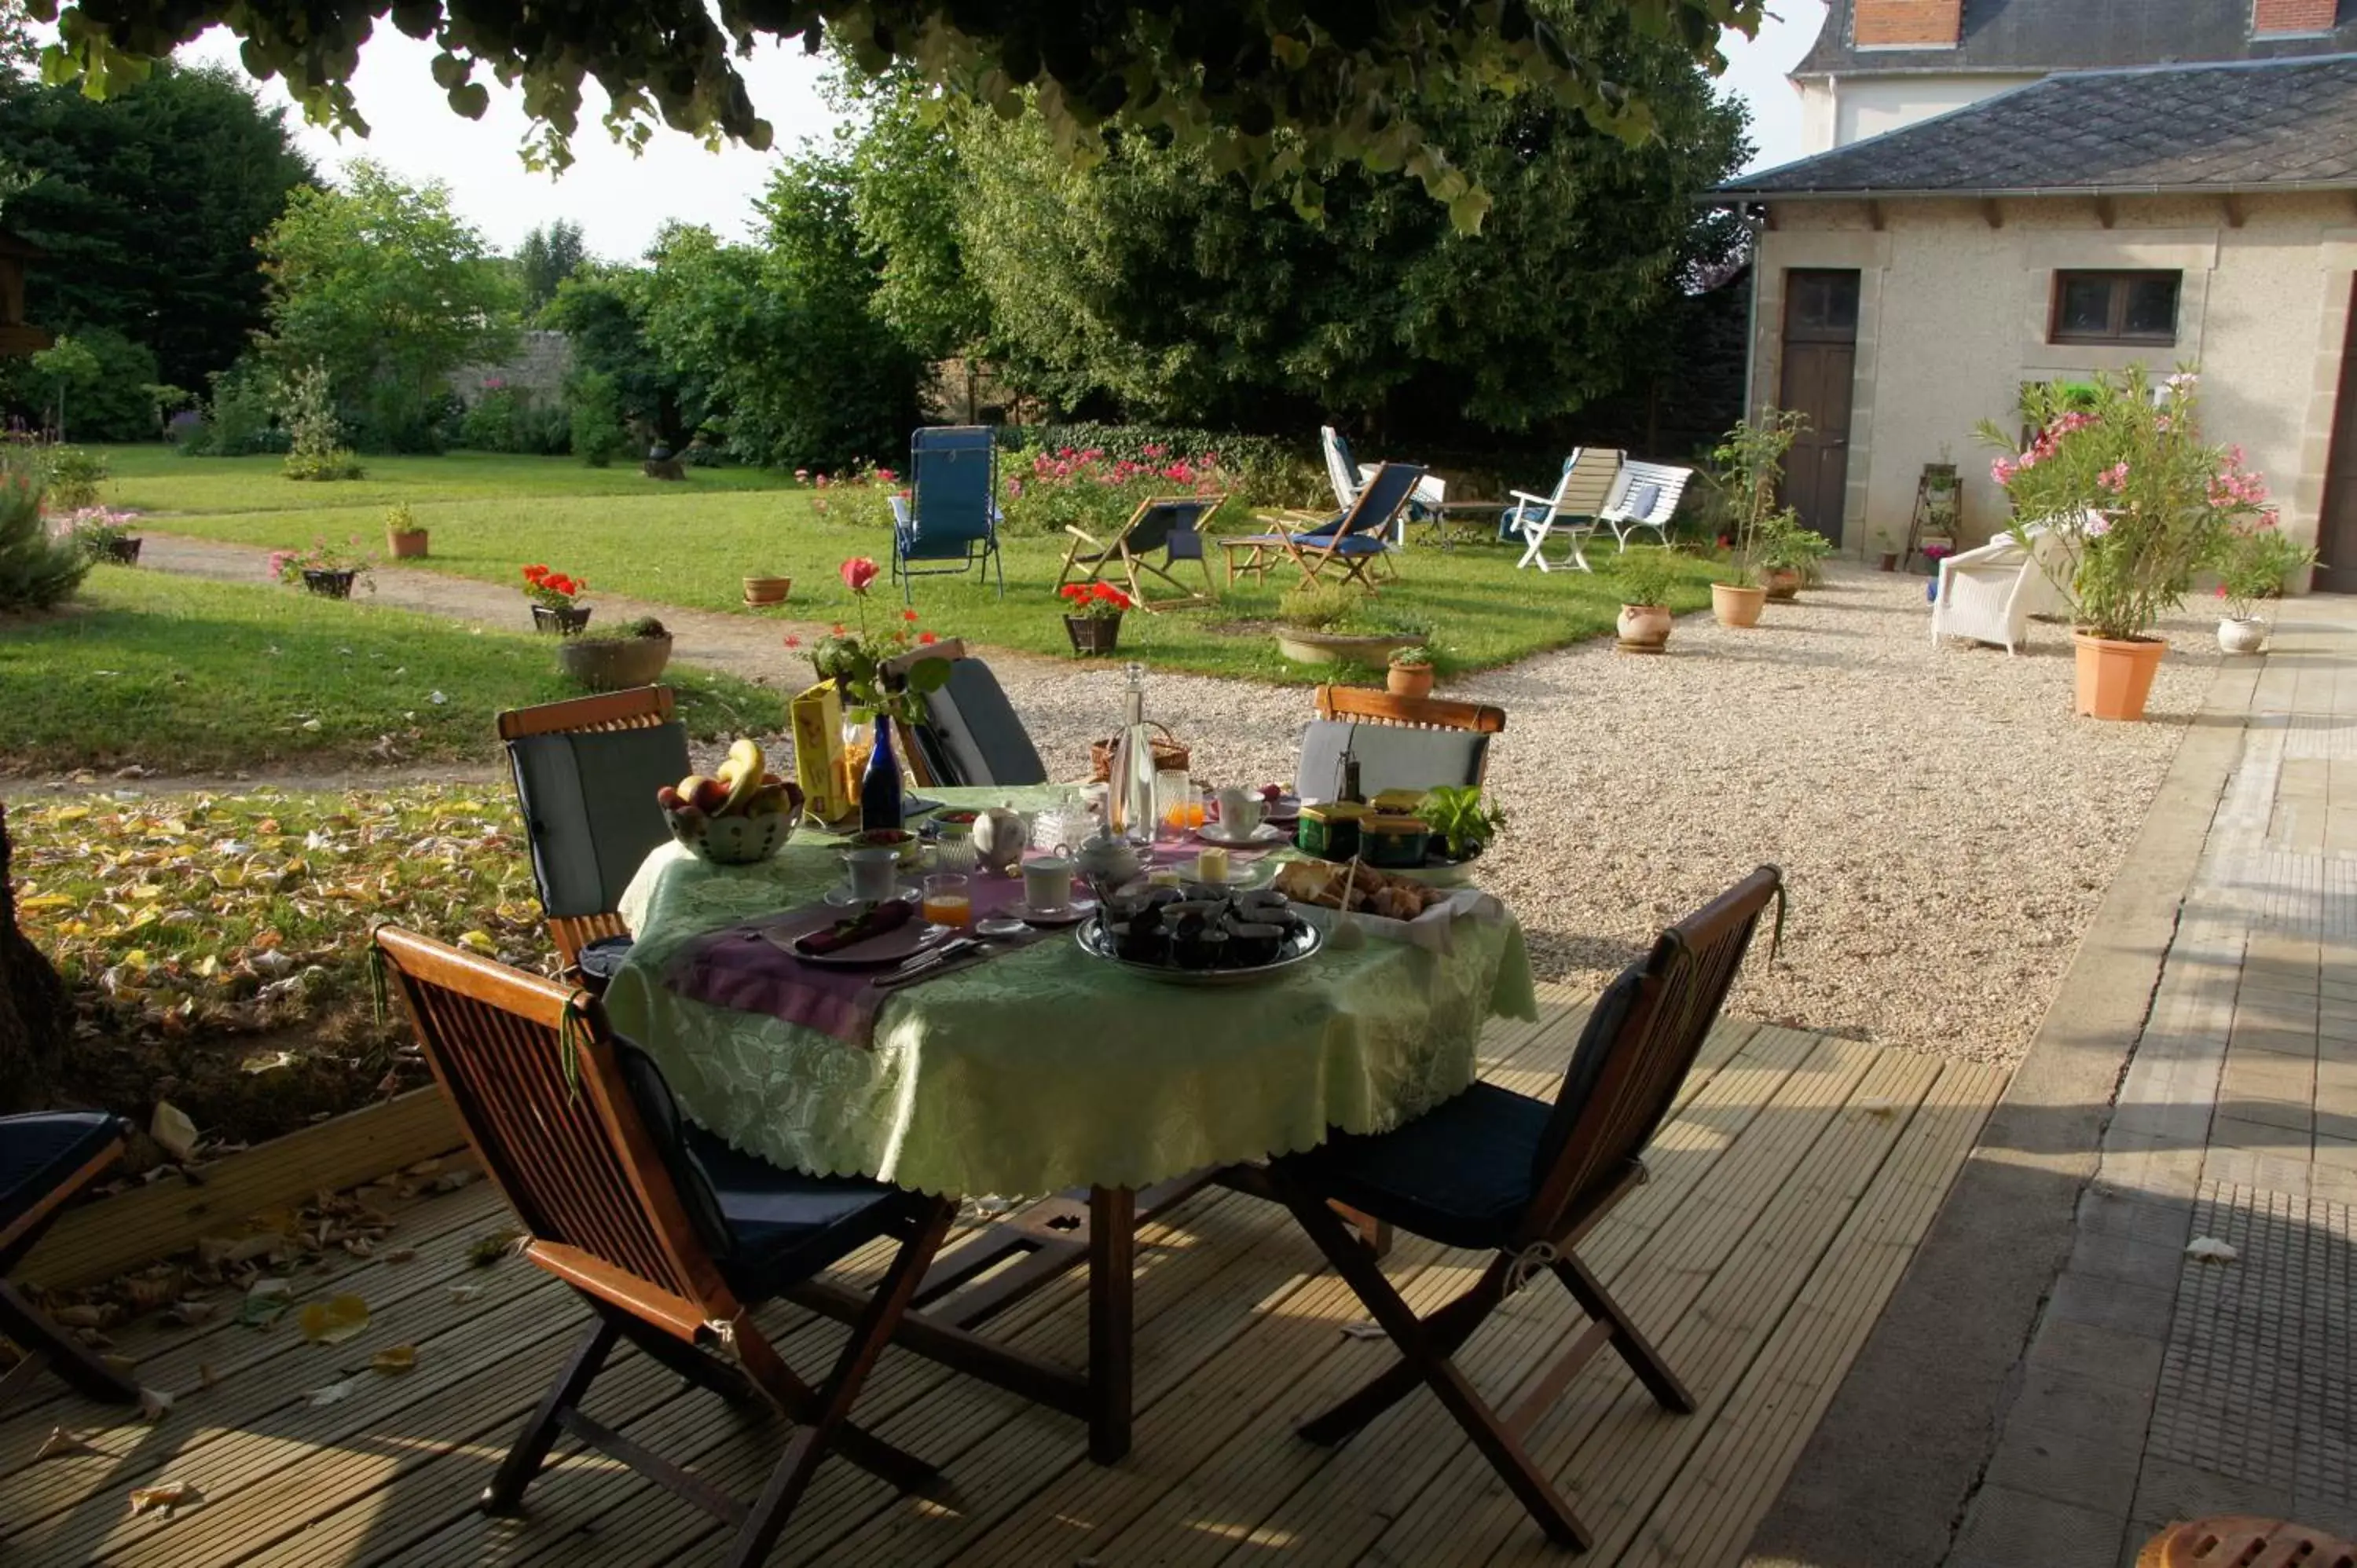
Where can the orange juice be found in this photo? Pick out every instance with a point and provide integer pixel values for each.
(949, 909)
(1185, 817)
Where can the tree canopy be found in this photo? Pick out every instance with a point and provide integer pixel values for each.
(1280, 90)
(547, 258)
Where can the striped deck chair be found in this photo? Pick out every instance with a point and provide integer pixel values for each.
(1590, 478)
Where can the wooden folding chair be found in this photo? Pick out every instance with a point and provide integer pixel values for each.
(583, 851)
(1493, 1170)
(1354, 540)
(669, 1235)
(1169, 525)
(45, 1159)
(1365, 705)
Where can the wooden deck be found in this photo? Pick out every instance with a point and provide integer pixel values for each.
(1787, 1195)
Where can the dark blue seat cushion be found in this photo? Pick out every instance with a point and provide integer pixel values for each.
(1460, 1173)
(38, 1152)
(768, 1228)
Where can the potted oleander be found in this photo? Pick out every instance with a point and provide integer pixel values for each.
(633, 657)
(2253, 562)
(2131, 505)
(1410, 674)
(404, 540)
(105, 535)
(1644, 578)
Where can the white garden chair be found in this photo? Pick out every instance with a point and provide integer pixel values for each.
(1587, 486)
(1349, 477)
(1647, 497)
(1988, 594)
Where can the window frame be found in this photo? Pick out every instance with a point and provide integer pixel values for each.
(2121, 283)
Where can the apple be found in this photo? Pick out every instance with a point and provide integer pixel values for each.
(709, 796)
(668, 799)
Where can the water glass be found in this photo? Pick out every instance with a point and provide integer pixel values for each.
(875, 873)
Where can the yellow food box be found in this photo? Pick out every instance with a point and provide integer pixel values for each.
(817, 720)
(1398, 803)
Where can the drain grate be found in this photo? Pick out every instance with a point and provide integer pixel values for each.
(2258, 1380)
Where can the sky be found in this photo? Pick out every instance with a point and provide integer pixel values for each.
(621, 199)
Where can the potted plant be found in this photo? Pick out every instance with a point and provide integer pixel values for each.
(1786, 553)
(2253, 562)
(1934, 551)
(404, 540)
(633, 657)
(880, 676)
(2132, 504)
(1749, 465)
(554, 597)
(1092, 616)
(1461, 821)
(762, 592)
(1646, 578)
(1410, 674)
(324, 569)
(1324, 622)
(105, 535)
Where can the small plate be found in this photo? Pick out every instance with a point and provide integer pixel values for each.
(1244, 876)
(1265, 832)
(1070, 914)
(1001, 926)
(895, 945)
(840, 896)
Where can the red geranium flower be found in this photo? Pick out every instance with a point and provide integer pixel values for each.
(838, 629)
(792, 641)
(907, 615)
(927, 638)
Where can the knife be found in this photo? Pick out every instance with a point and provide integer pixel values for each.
(949, 952)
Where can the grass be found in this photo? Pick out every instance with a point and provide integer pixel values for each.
(192, 675)
(691, 544)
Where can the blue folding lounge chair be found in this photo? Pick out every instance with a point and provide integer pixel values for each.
(1525, 1180)
(1348, 475)
(1170, 525)
(45, 1159)
(954, 515)
(1354, 539)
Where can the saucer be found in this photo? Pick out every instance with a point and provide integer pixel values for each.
(1072, 914)
(1265, 832)
(840, 896)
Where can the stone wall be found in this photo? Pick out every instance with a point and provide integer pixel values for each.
(539, 366)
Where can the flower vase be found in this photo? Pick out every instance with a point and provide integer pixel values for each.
(881, 801)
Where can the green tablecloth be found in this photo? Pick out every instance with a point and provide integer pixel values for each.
(1046, 1069)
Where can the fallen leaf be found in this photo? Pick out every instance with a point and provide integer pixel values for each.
(1363, 1331)
(172, 1130)
(155, 1404)
(490, 1248)
(451, 1181)
(461, 1294)
(188, 1314)
(401, 1255)
(395, 1358)
(2211, 1250)
(334, 1320)
(480, 941)
(264, 1303)
(334, 1393)
(164, 1499)
(206, 1376)
(61, 1443)
(268, 1061)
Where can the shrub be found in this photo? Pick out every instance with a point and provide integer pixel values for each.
(1087, 489)
(596, 418)
(36, 568)
(97, 530)
(509, 419)
(1317, 606)
(318, 451)
(241, 419)
(1261, 470)
(74, 477)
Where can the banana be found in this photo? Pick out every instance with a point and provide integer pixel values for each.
(742, 774)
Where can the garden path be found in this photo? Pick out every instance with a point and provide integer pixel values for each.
(1947, 827)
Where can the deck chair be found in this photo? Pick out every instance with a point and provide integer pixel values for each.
(1352, 541)
(669, 1235)
(586, 773)
(1988, 594)
(1494, 1171)
(45, 1159)
(1399, 742)
(1646, 496)
(952, 514)
(1171, 525)
(1587, 481)
(1349, 477)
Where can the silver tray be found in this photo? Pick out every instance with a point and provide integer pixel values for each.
(1304, 943)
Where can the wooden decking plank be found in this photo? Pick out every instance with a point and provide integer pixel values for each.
(1610, 1441)
(1349, 1502)
(1709, 1513)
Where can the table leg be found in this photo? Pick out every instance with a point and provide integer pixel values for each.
(1112, 1256)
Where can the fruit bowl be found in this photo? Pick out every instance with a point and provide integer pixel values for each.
(731, 841)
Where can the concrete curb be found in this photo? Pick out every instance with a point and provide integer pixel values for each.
(1885, 1480)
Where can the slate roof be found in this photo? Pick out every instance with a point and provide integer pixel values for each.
(2022, 35)
(2287, 124)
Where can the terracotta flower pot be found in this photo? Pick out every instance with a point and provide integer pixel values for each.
(1408, 681)
(1890, 560)
(761, 591)
(1782, 584)
(1645, 628)
(2242, 635)
(2114, 677)
(1737, 605)
(406, 543)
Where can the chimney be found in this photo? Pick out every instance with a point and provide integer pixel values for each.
(1940, 23)
(2291, 18)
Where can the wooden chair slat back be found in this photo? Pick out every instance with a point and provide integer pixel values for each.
(1363, 705)
(1684, 982)
(639, 707)
(578, 1166)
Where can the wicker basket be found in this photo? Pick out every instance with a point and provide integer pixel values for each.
(1169, 754)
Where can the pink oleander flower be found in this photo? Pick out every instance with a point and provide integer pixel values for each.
(2115, 478)
(2003, 470)
(2098, 526)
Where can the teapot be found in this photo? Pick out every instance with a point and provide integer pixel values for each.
(1107, 859)
(1000, 837)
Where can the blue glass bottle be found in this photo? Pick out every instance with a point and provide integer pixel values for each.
(880, 805)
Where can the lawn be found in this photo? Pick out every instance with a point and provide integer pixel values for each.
(185, 675)
(691, 544)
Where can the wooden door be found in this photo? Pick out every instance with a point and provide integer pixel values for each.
(2336, 526)
(1820, 358)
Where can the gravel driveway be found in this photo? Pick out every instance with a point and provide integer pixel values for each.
(1946, 826)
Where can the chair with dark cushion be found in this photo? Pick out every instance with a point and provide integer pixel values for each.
(585, 774)
(969, 734)
(669, 1235)
(1526, 1179)
(45, 1159)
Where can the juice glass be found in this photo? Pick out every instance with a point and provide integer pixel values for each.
(949, 901)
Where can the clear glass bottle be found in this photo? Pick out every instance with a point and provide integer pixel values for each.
(1130, 792)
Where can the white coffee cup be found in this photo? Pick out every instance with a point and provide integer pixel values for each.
(1048, 884)
(1239, 812)
(874, 872)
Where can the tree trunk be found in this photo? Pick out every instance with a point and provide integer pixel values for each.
(35, 1020)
